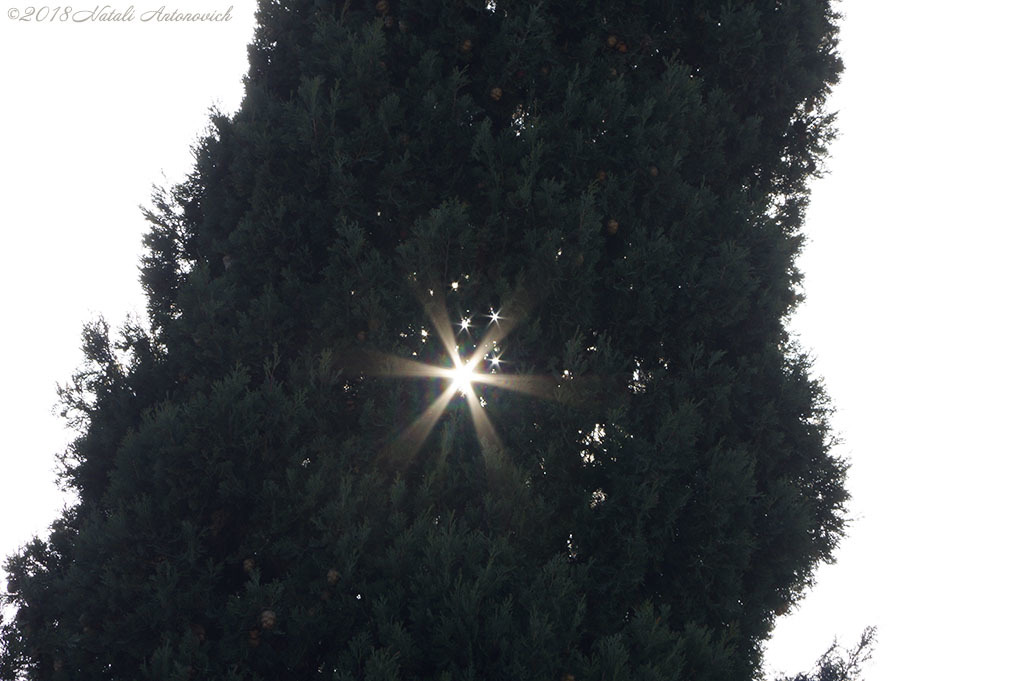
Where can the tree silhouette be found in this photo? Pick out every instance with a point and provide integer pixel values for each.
(287, 472)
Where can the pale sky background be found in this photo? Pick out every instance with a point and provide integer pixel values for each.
(913, 284)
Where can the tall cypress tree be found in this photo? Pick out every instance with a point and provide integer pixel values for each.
(612, 191)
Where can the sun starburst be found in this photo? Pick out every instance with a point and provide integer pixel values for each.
(462, 374)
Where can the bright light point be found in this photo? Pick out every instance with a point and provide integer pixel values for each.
(462, 377)
(455, 286)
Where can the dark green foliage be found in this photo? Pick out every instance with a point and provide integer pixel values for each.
(635, 174)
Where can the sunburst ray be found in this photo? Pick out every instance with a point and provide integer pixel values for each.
(461, 375)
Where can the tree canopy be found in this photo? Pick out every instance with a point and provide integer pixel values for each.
(610, 194)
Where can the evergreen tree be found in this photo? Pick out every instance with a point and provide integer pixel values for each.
(622, 185)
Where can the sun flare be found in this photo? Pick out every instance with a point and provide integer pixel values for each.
(462, 374)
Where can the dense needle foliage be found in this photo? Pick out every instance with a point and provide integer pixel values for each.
(624, 182)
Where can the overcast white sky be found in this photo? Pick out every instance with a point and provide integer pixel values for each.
(913, 283)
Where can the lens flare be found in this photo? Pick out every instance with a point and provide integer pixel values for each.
(461, 375)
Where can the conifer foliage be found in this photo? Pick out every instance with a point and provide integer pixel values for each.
(622, 183)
